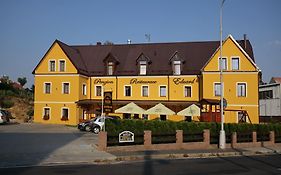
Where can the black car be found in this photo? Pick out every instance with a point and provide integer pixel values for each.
(86, 125)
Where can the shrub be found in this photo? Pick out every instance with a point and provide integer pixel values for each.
(6, 103)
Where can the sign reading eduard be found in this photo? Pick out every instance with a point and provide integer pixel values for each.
(178, 81)
(126, 136)
(107, 102)
(137, 81)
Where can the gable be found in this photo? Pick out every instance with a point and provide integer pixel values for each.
(231, 49)
(55, 53)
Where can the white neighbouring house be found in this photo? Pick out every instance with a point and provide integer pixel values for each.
(270, 100)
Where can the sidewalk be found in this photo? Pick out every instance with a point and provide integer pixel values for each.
(100, 157)
(179, 154)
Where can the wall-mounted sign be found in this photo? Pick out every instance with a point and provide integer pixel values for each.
(107, 102)
(178, 81)
(126, 136)
(137, 81)
(103, 82)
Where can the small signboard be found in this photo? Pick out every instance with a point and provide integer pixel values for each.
(126, 136)
(107, 102)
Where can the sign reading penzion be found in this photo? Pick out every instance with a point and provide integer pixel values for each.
(103, 82)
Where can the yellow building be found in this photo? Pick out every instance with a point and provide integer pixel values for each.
(70, 80)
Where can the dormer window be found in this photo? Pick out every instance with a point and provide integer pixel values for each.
(177, 62)
(143, 66)
(110, 68)
(110, 63)
(143, 62)
(176, 67)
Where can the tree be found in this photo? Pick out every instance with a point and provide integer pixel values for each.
(108, 43)
(22, 81)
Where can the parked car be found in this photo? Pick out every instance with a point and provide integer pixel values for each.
(4, 118)
(94, 124)
(86, 125)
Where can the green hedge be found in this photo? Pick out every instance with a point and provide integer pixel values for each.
(114, 127)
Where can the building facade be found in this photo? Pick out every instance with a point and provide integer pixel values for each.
(70, 80)
(270, 100)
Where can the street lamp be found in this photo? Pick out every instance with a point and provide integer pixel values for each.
(102, 112)
(222, 132)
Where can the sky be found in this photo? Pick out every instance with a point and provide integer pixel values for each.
(29, 27)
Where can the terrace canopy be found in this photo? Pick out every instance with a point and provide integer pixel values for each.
(130, 108)
(192, 110)
(159, 109)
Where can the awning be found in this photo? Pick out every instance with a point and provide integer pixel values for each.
(130, 108)
(192, 110)
(160, 109)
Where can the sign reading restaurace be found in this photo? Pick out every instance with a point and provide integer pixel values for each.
(126, 136)
(136, 81)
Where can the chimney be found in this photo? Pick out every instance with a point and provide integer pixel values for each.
(245, 41)
(129, 41)
(98, 43)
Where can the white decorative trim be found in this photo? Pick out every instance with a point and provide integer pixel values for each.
(190, 91)
(229, 73)
(246, 94)
(49, 67)
(214, 93)
(247, 105)
(64, 65)
(147, 90)
(125, 90)
(84, 85)
(239, 63)
(62, 88)
(226, 63)
(96, 90)
(68, 117)
(141, 76)
(54, 102)
(160, 90)
(60, 75)
(43, 112)
(44, 88)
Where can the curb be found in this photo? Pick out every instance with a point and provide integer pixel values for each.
(171, 156)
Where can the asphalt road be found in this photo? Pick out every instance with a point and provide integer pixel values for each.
(222, 165)
(38, 144)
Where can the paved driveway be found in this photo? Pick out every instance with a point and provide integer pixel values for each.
(38, 144)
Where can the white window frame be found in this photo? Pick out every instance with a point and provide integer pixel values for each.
(147, 90)
(125, 90)
(44, 89)
(62, 88)
(160, 90)
(110, 64)
(60, 65)
(67, 112)
(50, 65)
(84, 89)
(177, 62)
(235, 57)
(237, 120)
(96, 92)
(226, 65)
(143, 64)
(214, 89)
(190, 91)
(43, 112)
(237, 89)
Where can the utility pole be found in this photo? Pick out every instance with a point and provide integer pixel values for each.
(222, 132)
